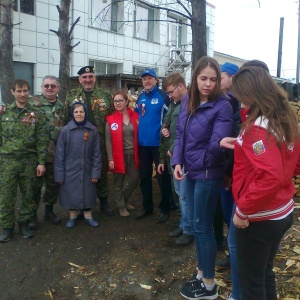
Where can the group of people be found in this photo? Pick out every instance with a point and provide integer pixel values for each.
(231, 135)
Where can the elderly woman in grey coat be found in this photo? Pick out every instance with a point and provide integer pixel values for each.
(77, 165)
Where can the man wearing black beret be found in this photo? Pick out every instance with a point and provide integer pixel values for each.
(99, 104)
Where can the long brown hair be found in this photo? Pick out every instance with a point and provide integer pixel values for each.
(255, 87)
(202, 63)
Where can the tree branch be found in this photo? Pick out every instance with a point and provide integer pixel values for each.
(72, 47)
(17, 24)
(73, 26)
(164, 8)
(56, 32)
(188, 12)
(58, 8)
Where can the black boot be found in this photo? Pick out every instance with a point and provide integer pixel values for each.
(33, 224)
(7, 234)
(25, 230)
(104, 207)
(50, 215)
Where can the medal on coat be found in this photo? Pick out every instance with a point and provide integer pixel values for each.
(101, 104)
(86, 136)
(31, 118)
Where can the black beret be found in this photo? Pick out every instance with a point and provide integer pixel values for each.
(86, 69)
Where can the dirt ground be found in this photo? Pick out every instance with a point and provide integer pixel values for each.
(124, 258)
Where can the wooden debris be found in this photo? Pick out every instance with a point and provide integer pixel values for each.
(147, 287)
(81, 268)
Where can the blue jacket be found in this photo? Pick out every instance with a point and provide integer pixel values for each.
(151, 108)
(198, 136)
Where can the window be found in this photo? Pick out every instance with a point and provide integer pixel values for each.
(136, 70)
(24, 6)
(107, 15)
(144, 23)
(174, 32)
(103, 68)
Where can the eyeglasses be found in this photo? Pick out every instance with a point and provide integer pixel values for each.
(51, 86)
(171, 92)
(119, 101)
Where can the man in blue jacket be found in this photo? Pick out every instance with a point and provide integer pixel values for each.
(151, 106)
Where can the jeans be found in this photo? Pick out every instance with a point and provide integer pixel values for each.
(227, 203)
(148, 155)
(185, 222)
(236, 288)
(257, 246)
(202, 197)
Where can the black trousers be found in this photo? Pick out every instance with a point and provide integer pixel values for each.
(148, 155)
(256, 247)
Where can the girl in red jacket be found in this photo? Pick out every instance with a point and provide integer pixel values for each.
(266, 156)
(122, 151)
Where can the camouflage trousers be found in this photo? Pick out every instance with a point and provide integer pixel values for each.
(102, 184)
(13, 172)
(51, 187)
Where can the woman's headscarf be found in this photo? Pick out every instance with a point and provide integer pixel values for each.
(72, 113)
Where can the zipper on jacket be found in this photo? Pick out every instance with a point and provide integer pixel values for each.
(206, 173)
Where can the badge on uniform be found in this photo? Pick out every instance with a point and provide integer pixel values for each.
(258, 148)
(114, 126)
(101, 104)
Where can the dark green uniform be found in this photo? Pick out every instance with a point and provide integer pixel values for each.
(24, 139)
(99, 104)
(55, 118)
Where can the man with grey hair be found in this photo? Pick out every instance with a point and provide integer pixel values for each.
(55, 117)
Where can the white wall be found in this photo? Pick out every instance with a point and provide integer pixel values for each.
(40, 46)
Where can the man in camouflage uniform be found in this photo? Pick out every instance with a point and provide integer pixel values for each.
(24, 139)
(55, 118)
(99, 104)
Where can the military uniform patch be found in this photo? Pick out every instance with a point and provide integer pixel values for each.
(258, 148)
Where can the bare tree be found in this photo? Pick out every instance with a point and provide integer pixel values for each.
(195, 12)
(6, 46)
(65, 44)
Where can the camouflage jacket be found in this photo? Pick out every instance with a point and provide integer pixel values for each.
(170, 122)
(101, 102)
(55, 118)
(23, 133)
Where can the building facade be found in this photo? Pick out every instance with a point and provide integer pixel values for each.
(117, 37)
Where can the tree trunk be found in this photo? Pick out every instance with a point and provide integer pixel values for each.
(198, 22)
(65, 48)
(6, 53)
(65, 38)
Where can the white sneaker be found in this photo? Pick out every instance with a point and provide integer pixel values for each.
(129, 207)
(123, 212)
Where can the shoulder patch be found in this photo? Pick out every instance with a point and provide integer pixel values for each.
(258, 148)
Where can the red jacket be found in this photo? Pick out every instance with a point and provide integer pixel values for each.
(262, 176)
(115, 122)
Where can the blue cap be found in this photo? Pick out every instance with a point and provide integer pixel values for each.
(148, 71)
(229, 68)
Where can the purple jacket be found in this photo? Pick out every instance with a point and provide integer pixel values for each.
(198, 136)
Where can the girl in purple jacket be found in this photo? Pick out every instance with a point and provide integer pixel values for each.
(205, 118)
